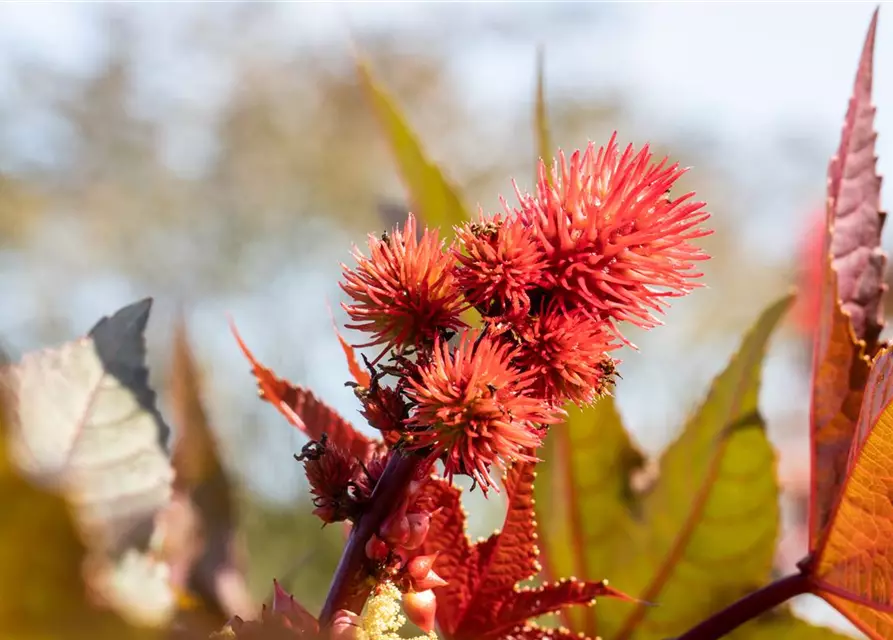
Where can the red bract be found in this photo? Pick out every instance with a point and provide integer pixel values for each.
(472, 408)
(405, 293)
(501, 265)
(567, 354)
(617, 245)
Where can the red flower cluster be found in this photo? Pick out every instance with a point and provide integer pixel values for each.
(600, 243)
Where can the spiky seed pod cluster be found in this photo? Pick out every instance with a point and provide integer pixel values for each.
(600, 242)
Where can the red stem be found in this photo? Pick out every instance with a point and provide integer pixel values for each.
(350, 589)
(749, 607)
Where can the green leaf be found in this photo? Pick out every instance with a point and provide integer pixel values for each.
(584, 501)
(782, 624)
(712, 517)
(435, 200)
(702, 536)
(541, 120)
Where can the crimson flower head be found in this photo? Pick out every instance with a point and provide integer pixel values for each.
(500, 267)
(405, 292)
(567, 355)
(616, 243)
(472, 407)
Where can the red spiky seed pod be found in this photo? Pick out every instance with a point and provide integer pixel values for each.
(568, 355)
(501, 263)
(405, 293)
(472, 408)
(617, 246)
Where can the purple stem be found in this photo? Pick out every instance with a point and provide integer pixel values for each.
(749, 607)
(350, 589)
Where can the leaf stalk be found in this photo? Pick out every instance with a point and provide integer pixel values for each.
(749, 607)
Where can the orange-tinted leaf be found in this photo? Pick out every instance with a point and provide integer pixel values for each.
(482, 600)
(851, 567)
(303, 410)
(201, 528)
(875, 624)
(849, 322)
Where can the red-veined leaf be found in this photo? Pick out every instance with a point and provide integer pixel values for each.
(851, 567)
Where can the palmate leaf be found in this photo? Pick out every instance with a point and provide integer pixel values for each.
(704, 533)
(482, 600)
(200, 531)
(850, 318)
(435, 200)
(82, 424)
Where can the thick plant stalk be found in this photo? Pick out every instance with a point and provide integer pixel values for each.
(748, 608)
(350, 589)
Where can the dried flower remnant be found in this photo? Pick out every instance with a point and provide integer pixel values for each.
(471, 408)
(405, 293)
(616, 244)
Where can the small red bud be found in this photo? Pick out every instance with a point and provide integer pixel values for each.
(376, 549)
(344, 625)
(396, 529)
(418, 567)
(421, 609)
(419, 523)
(422, 575)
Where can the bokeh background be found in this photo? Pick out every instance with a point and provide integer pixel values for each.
(221, 158)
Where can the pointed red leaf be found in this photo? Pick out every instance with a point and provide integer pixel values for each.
(509, 556)
(526, 604)
(456, 560)
(360, 375)
(850, 318)
(305, 411)
(482, 600)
